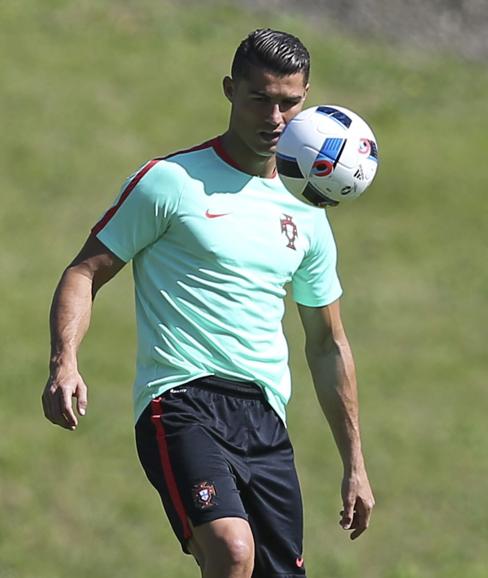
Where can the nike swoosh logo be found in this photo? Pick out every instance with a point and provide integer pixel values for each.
(210, 215)
(299, 562)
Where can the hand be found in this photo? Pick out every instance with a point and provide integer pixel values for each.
(358, 502)
(61, 387)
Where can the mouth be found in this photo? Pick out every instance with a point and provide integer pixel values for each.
(270, 137)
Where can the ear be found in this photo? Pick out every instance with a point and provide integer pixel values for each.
(228, 86)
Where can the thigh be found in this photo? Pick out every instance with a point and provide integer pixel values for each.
(274, 504)
(185, 463)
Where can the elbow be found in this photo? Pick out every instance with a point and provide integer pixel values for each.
(329, 346)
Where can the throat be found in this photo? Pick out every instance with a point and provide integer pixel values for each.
(238, 154)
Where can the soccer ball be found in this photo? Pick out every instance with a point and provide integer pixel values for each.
(327, 154)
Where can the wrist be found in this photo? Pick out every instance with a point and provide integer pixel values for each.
(62, 361)
(354, 465)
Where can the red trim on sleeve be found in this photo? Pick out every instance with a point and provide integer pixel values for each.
(156, 414)
(128, 189)
(215, 143)
(133, 183)
(205, 145)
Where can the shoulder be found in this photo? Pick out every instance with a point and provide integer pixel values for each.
(180, 167)
(323, 234)
(195, 151)
(172, 165)
(154, 180)
(201, 154)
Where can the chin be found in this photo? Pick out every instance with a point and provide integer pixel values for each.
(265, 150)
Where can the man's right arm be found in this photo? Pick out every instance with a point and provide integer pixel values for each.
(69, 321)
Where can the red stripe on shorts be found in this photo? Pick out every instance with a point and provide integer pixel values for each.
(128, 189)
(156, 414)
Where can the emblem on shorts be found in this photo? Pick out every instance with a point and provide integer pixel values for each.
(204, 495)
(290, 230)
(299, 562)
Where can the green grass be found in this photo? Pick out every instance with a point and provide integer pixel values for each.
(91, 90)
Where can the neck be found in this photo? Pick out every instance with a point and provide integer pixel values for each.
(248, 161)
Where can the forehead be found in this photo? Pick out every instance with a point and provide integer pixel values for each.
(262, 81)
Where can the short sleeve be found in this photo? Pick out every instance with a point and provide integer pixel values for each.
(142, 211)
(315, 283)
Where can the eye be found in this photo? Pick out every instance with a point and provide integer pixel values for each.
(289, 103)
(260, 98)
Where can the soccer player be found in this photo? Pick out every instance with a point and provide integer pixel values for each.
(214, 237)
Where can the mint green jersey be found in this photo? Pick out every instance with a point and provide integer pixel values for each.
(212, 250)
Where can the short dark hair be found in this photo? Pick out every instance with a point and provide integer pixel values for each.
(275, 51)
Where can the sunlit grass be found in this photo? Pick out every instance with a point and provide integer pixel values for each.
(90, 91)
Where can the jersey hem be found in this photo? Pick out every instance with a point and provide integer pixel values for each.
(117, 251)
(318, 302)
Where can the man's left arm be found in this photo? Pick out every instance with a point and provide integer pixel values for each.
(332, 367)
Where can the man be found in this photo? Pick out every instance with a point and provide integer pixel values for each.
(214, 237)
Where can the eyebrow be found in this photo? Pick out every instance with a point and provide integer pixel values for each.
(262, 93)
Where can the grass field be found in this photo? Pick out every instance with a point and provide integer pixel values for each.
(91, 90)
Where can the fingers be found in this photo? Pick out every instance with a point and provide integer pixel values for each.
(358, 502)
(82, 401)
(347, 516)
(66, 410)
(57, 402)
(358, 520)
(54, 410)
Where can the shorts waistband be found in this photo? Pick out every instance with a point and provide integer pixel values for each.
(246, 389)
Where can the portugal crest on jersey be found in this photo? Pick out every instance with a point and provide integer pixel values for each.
(290, 230)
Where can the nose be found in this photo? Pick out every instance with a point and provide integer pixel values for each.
(276, 116)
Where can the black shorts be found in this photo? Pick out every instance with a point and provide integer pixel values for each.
(213, 448)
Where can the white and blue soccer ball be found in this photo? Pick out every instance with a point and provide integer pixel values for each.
(326, 155)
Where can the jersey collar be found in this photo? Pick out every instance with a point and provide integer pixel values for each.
(224, 155)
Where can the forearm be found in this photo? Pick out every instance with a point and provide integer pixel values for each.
(69, 320)
(334, 377)
(70, 316)
(331, 364)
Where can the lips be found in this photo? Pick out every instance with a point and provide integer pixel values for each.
(270, 137)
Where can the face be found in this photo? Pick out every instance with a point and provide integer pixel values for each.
(261, 107)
